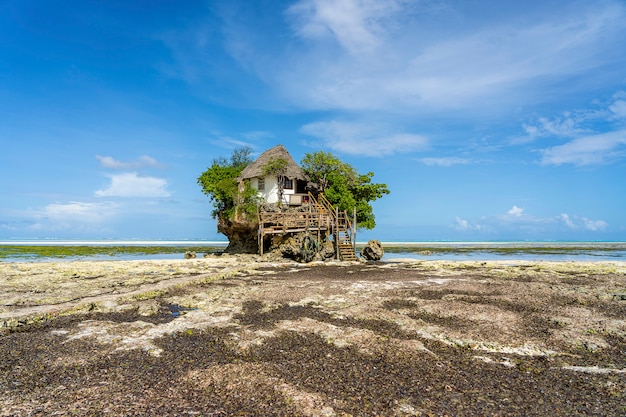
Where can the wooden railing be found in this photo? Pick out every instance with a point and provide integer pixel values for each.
(321, 216)
(286, 222)
(343, 229)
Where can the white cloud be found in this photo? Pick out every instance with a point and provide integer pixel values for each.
(74, 217)
(594, 225)
(576, 223)
(517, 221)
(403, 56)
(445, 162)
(76, 211)
(134, 185)
(356, 25)
(245, 139)
(568, 222)
(363, 138)
(464, 225)
(585, 146)
(517, 217)
(587, 150)
(618, 108)
(141, 162)
(574, 124)
(561, 126)
(419, 65)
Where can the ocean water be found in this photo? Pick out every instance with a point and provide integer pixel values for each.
(99, 250)
(31, 251)
(528, 251)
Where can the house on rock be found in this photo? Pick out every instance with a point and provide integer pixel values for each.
(290, 211)
(288, 187)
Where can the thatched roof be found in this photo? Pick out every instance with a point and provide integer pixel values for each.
(255, 169)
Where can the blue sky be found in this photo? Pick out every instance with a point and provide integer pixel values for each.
(488, 120)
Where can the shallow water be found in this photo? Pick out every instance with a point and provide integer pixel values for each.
(453, 251)
(529, 251)
(487, 256)
(102, 251)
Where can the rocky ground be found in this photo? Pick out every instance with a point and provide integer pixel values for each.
(234, 335)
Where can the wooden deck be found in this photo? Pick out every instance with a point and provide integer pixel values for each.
(319, 217)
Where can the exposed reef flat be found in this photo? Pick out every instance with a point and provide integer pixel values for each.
(234, 335)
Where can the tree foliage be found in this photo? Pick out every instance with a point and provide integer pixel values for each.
(219, 182)
(344, 187)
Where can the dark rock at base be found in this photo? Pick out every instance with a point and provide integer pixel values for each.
(303, 247)
(373, 251)
(326, 251)
(241, 231)
(190, 255)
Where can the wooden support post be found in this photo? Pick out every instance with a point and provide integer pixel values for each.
(337, 233)
(260, 231)
(354, 231)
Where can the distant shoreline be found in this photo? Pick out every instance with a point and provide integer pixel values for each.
(182, 242)
(126, 242)
(94, 250)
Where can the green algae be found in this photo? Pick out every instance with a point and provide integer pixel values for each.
(506, 249)
(38, 252)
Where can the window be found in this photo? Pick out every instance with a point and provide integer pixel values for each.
(287, 184)
(261, 184)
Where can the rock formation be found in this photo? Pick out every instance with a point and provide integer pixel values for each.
(303, 247)
(241, 232)
(373, 251)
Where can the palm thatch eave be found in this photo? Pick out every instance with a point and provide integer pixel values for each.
(255, 169)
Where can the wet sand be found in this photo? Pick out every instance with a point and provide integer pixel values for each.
(234, 335)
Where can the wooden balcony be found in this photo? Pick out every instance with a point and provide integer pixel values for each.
(320, 216)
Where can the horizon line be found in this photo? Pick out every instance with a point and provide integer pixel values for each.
(151, 242)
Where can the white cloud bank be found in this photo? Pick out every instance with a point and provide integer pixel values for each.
(141, 162)
(356, 25)
(411, 62)
(445, 161)
(75, 215)
(587, 150)
(91, 212)
(582, 223)
(377, 54)
(516, 219)
(465, 225)
(404, 55)
(363, 138)
(134, 186)
(584, 145)
(618, 108)
(567, 125)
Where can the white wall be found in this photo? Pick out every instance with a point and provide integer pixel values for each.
(270, 195)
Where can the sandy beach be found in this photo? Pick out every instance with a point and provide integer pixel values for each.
(236, 335)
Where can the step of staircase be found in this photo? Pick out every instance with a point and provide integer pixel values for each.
(346, 251)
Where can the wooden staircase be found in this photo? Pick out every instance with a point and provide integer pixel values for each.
(321, 217)
(342, 228)
(346, 251)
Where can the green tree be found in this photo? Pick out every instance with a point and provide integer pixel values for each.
(219, 182)
(344, 187)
